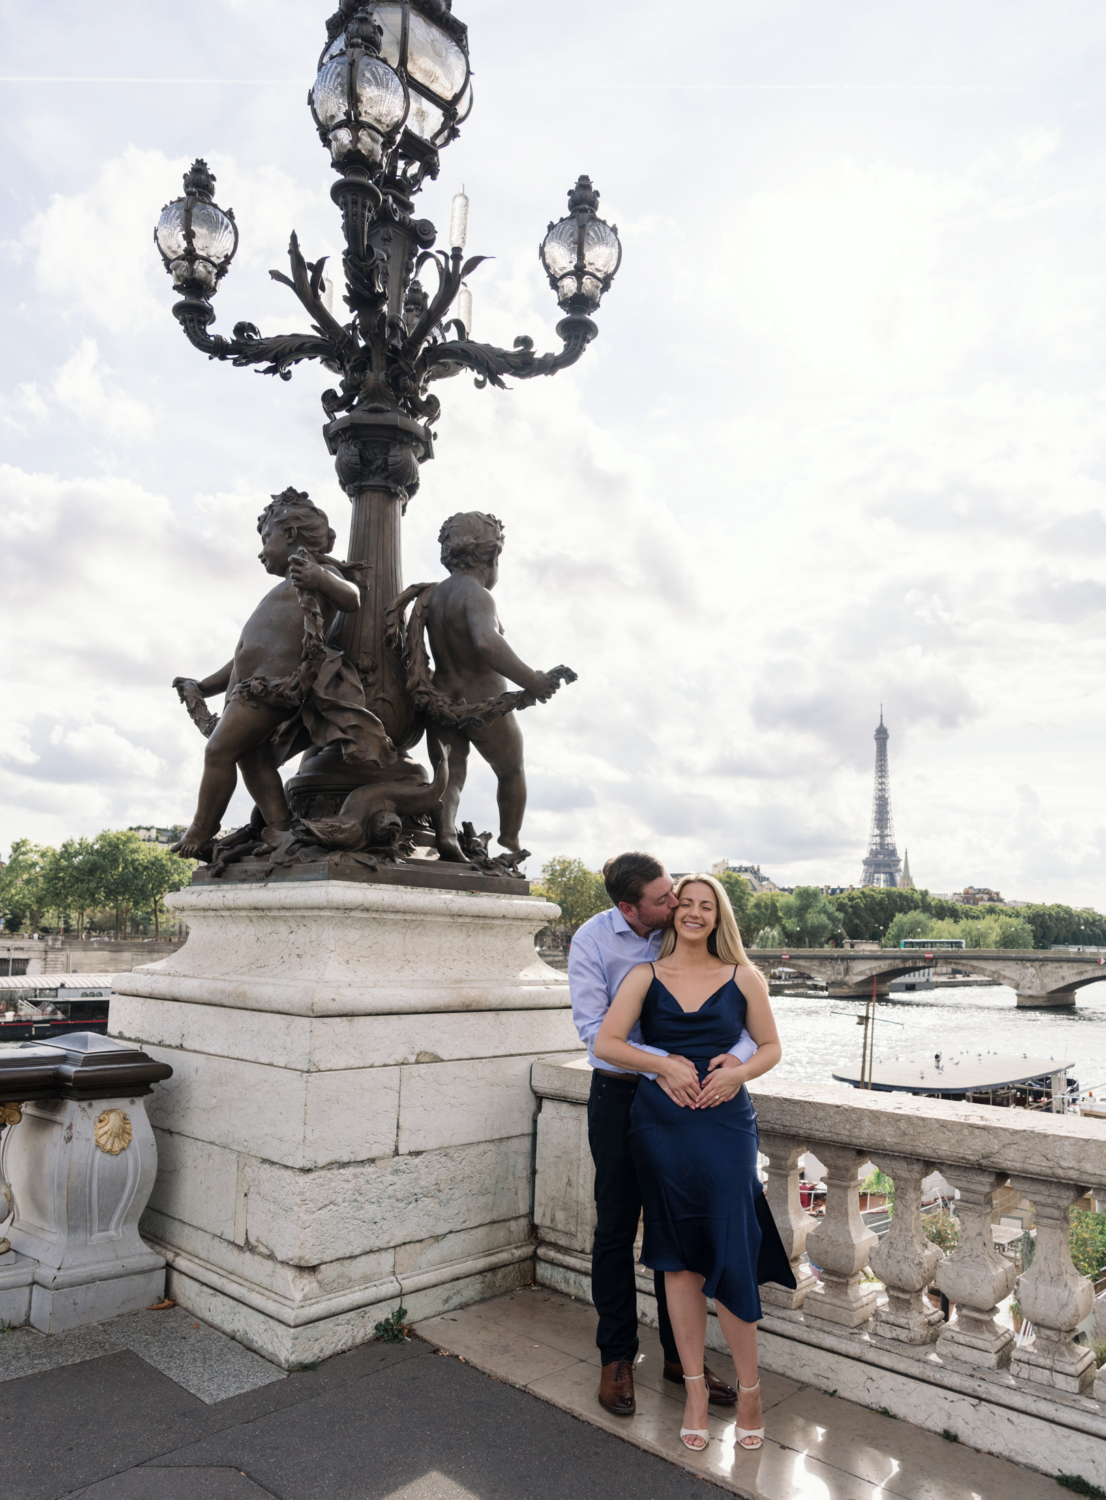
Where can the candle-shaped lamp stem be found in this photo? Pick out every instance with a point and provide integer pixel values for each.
(459, 220)
(464, 309)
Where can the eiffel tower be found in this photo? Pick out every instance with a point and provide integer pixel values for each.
(882, 864)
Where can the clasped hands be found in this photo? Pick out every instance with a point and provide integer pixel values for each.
(680, 1081)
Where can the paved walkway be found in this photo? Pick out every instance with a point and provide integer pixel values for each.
(816, 1446)
(158, 1406)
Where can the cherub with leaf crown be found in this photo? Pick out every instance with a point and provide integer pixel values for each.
(286, 687)
(463, 697)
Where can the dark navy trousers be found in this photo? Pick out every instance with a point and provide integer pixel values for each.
(617, 1212)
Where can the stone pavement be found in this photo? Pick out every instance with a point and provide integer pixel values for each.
(158, 1406)
(816, 1446)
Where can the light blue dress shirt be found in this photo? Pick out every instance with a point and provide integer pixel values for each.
(603, 952)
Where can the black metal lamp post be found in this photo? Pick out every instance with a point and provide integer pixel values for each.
(391, 91)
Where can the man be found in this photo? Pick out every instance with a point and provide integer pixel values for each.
(603, 952)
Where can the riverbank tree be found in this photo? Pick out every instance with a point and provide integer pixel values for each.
(578, 891)
(112, 882)
(867, 915)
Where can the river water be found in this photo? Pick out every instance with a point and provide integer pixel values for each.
(820, 1035)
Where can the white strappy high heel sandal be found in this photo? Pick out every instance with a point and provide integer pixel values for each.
(756, 1433)
(694, 1432)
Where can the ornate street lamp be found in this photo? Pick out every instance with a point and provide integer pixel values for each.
(358, 100)
(581, 253)
(391, 91)
(197, 238)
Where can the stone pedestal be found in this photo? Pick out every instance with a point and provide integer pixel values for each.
(81, 1172)
(349, 1126)
(17, 1275)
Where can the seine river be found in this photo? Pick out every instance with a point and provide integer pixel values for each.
(821, 1035)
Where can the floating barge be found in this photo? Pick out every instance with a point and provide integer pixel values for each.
(977, 1078)
(37, 1007)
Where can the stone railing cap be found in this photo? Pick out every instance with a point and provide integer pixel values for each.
(1021, 1142)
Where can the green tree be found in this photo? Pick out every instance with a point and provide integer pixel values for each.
(943, 1229)
(22, 895)
(1088, 1242)
(807, 918)
(71, 881)
(740, 893)
(762, 918)
(117, 862)
(867, 914)
(999, 931)
(159, 872)
(907, 924)
(578, 891)
(879, 1182)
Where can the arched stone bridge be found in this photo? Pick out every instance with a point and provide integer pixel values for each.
(1039, 979)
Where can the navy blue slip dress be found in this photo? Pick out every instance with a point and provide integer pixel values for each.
(704, 1205)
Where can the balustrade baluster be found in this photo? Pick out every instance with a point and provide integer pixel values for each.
(904, 1260)
(975, 1276)
(1052, 1294)
(839, 1244)
(793, 1223)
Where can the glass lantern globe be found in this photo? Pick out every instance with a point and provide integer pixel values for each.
(426, 50)
(197, 239)
(581, 253)
(358, 100)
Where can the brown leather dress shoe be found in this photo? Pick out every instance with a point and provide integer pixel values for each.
(616, 1387)
(718, 1392)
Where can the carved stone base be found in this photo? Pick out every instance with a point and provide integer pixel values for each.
(782, 1298)
(349, 1126)
(17, 1274)
(848, 1303)
(426, 874)
(59, 1303)
(976, 1342)
(1060, 1364)
(905, 1320)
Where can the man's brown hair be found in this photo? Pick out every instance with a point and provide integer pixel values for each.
(627, 875)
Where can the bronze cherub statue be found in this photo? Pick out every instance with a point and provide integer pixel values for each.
(464, 699)
(286, 687)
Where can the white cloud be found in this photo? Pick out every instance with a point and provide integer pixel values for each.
(842, 438)
(87, 392)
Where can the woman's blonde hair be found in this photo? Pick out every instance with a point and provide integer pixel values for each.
(725, 941)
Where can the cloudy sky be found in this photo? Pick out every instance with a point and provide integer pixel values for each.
(841, 441)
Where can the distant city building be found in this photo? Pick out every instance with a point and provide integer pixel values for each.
(906, 880)
(882, 865)
(978, 895)
(752, 873)
(159, 835)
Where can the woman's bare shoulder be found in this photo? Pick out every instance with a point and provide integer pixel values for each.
(750, 974)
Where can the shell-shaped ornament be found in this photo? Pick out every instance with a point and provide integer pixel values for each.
(10, 1114)
(113, 1132)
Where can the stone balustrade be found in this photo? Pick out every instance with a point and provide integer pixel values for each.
(861, 1323)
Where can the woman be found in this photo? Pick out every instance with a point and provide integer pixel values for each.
(693, 1134)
